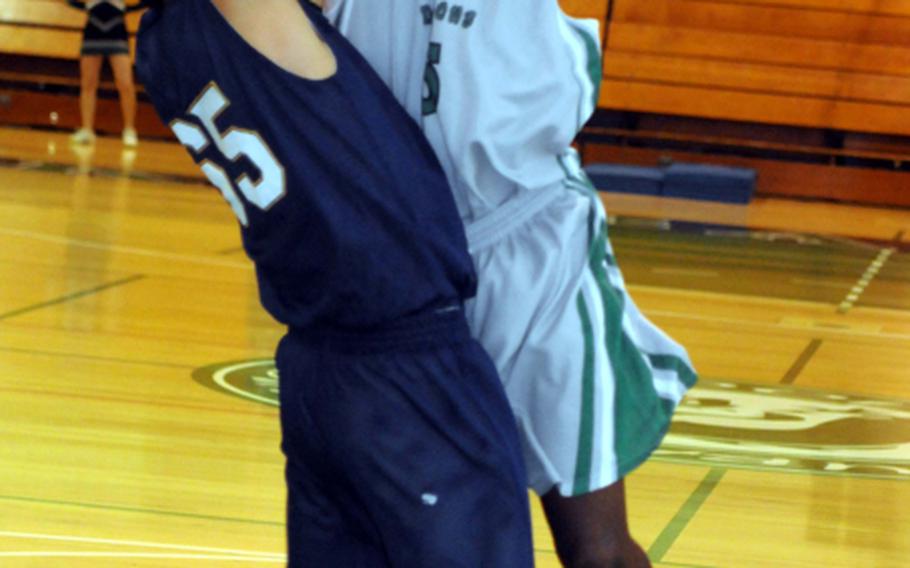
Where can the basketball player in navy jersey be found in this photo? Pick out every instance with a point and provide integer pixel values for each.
(501, 88)
(401, 447)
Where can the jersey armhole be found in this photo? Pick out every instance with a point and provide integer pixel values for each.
(332, 10)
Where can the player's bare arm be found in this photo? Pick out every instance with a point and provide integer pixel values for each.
(280, 30)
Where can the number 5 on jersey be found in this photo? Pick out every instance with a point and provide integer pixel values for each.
(232, 145)
(431, 80)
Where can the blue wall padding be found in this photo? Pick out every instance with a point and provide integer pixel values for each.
(714, 183)
(626, 179)
(691, 181)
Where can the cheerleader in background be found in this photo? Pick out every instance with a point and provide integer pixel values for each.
(105, 35)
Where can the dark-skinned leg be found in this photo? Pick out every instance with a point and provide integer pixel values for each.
(591, 530)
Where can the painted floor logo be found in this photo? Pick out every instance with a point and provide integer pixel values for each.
(722, 423)
(785, 428)
(255, 380)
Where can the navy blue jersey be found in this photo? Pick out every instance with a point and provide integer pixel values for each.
(343, 206)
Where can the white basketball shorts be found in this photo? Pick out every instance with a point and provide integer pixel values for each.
(592, 382)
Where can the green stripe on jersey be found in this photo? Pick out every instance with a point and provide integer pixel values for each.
(595, 62)
(584, 457)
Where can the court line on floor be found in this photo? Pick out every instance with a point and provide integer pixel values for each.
(686, 272)
(686, 513)
(138, 555)
(146, 401)
(135, 543)
(776, 325)
(126, 250)
(67, 355)
(700, 294)
(72, 296)
(871, 272)
(243, 553)
(818, 283)
(101, 170)
(232, 250)
(801, 362)
(155, 512)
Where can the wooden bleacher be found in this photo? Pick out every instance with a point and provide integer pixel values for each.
(785, 76)
(45, 28)
(834, 64)
(596, 9)
(49, 12)
(816, 80)
(16, 39)
(39, 69)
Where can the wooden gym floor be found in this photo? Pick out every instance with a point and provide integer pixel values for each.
(136, 393)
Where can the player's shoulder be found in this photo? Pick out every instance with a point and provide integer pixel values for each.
(162, 45)
(166, 17)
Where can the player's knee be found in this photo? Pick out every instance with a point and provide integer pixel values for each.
(603, 555)
(584, 557)
(599, 562)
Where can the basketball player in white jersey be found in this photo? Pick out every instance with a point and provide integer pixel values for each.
(501, 88)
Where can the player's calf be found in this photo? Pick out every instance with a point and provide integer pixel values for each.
(591, 530)
(631, 556)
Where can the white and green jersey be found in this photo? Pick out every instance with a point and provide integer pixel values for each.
(500, 89)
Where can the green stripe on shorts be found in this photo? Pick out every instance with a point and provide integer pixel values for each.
(584, 457)
(641, 416)
(675, 364)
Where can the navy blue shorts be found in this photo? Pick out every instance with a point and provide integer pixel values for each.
(402, 451)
